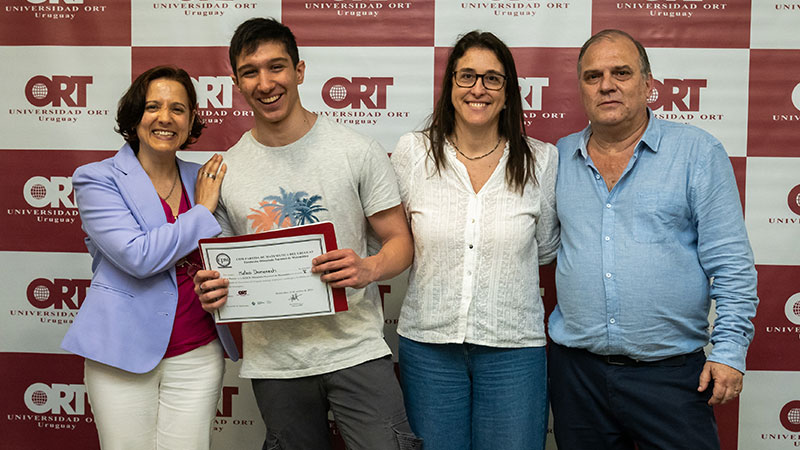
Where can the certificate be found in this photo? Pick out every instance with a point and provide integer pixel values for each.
(270, 274)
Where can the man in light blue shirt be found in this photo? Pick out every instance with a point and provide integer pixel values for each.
(651, 232)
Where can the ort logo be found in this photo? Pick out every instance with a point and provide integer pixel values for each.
(794, 199)
(216, 92)
(55, 191)
(227, 401)
(41, 91)
(674, 92)
(41, 398)
(792, 309)
(530, 89)
(58, 293)
(796, 96)
(339, 92)
(790, 416)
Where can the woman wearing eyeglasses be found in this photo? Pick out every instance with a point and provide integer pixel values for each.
(479, 195)
(154, 359)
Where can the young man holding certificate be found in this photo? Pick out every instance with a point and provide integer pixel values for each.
(295, 168)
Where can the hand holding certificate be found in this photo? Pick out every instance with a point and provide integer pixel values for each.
(270, 274)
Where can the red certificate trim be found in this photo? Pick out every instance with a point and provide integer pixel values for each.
(323, 228)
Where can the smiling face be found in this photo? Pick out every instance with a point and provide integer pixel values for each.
(268, 81)
(613, 88)
(478, 106)
(167, 117)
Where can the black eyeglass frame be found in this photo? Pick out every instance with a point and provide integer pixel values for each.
(483, 80)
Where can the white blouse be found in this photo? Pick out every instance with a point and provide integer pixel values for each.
(475, 275)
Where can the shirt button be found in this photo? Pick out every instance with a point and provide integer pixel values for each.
(470, 245)
(608, 275)
(608, 205)
(608, 238)
(473, 220)
(597, 176)
(613, 320)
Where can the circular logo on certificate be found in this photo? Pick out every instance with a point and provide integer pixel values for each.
(223, 260)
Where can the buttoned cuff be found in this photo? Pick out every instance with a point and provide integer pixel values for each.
(730, 354)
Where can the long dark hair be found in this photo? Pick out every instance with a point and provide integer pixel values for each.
(521, 160)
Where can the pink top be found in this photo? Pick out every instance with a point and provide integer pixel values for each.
(193, 327)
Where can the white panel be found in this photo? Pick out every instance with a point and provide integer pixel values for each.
(41, 293)
(773, 227)
(62, 97)
(712, 86)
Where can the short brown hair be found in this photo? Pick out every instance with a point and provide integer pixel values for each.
(131, 105)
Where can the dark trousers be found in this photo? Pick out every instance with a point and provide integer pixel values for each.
(366, 401)
(626, 405)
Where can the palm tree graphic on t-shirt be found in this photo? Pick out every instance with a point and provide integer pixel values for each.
(298, 208)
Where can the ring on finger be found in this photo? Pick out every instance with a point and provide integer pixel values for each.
(210, 175)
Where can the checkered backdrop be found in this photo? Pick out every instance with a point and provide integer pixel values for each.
(730, 67)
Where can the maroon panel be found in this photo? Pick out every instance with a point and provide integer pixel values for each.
(677, 23)
(69, 22)
(773, 127)
(44, 403)
(38, 205)
(777, 324)
(360, 23)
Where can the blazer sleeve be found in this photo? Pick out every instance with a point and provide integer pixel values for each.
(112, 218)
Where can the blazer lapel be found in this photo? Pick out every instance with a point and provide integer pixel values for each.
(138, 190)
(188, 178)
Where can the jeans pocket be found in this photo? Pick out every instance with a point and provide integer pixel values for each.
(272, 442)
(406, 439)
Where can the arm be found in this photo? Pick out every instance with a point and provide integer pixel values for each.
(724, 253)
(112, 217)
(346, 269)
(548, 237)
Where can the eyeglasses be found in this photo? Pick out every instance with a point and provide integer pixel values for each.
(492, 81)
(190, 266)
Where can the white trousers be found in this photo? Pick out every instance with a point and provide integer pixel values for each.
(170, 408)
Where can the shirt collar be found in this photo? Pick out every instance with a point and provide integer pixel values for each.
(649, 140)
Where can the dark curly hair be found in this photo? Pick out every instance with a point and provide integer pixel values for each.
(520, 165)
(131, 105)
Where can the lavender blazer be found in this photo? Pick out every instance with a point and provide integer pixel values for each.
(126, 318)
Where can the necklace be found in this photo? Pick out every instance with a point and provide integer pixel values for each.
(477, 157)
(172, 189)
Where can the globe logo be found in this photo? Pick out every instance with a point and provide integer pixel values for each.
(796, 96)
(39, 398)
(793, 416)
(41, 293)
(338, 92)
(38, 191)
(653, 96)
(790, 416)
(794, 200)
(39, 91)
(792, 309)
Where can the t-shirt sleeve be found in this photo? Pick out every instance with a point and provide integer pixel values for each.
(377, 186)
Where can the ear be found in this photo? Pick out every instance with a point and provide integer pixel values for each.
(300, 70)
(648, 82)
(235, 80)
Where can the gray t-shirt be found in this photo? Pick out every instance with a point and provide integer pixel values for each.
(330, 174)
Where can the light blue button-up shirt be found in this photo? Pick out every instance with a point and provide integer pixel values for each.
(635, 263)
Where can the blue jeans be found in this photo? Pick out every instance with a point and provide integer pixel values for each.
(464, 396)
